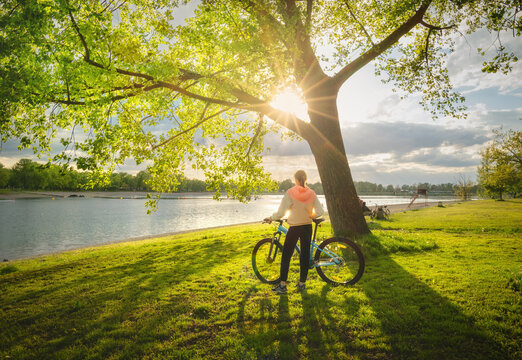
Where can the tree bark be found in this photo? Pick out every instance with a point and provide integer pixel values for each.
(330, 156)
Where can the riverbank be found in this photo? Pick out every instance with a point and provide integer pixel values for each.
(439, 283)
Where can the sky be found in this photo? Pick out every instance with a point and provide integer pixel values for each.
(394, 141)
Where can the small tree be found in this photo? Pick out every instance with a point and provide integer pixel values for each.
(501, 165)
(464, 188)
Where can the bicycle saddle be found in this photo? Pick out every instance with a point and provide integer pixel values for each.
(318, 220)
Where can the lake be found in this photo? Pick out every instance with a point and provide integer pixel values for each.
(30, 227)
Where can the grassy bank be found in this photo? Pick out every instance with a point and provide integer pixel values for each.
(440, 283)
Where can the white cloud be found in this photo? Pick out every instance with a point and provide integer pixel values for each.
(465, 64)
(398, 153)
(493, 119)
(283, 167)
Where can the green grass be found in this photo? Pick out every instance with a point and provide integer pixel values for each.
(440, 283)
(472, 216)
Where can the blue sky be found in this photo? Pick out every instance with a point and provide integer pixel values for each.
(394, 141)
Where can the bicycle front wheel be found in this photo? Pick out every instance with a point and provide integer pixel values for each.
(266, 260)
(339, 261)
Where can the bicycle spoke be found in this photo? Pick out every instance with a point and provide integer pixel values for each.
(266, 260)
(339, 261)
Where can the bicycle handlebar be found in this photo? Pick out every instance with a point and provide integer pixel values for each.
(281, 221)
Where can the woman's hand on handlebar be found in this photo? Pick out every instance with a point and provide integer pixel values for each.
(267, 220)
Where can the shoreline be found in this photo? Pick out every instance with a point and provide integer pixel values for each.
(394, 208)
(16, 195)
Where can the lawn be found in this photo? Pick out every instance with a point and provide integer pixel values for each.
(440, 283)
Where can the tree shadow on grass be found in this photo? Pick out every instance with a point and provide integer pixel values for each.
(128, 310)
(419, 323)
(121, 307)
(390, 314)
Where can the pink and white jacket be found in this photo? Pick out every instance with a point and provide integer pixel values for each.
(303, 205)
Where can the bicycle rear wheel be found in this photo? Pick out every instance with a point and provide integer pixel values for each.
(266, 260)
(339, 261)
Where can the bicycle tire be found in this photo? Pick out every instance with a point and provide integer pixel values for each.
(267, 271)
(351, 267)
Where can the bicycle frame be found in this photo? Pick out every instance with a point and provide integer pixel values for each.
(283, 230)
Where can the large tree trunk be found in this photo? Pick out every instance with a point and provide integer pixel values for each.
(330, 156)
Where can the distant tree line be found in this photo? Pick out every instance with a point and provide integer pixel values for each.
(29, 175)
(369, 188)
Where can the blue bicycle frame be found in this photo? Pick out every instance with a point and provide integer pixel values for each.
(283, 230)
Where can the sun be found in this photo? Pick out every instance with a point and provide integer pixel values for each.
(289, 100)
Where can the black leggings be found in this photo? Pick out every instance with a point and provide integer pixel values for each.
(304, 233)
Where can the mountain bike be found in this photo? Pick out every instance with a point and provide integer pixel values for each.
(337, 260)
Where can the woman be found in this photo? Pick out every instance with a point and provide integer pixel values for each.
(304, 206)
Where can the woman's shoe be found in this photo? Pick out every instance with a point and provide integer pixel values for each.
(279, 289)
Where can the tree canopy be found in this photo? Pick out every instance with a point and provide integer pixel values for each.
(115, 80)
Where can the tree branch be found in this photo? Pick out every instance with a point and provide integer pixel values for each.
(126, 96)
(358, 22)
(426, 50)
(240, 31)
(188, 75)
(382, 46)
(119, 6)
(308, 21)
(267, 19)
(87, 55)
(192, 127)
(307, 69)
(251, 103)
(258, 130)
(12, 10)
(433, 27)
(106, 7)
(60, 101)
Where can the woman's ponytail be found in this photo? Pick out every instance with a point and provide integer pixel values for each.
(300, 176)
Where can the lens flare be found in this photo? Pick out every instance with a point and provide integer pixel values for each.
(289, 100)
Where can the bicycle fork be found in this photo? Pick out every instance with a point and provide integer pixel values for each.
(272, 253)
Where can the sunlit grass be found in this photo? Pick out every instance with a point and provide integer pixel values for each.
(440, 283)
